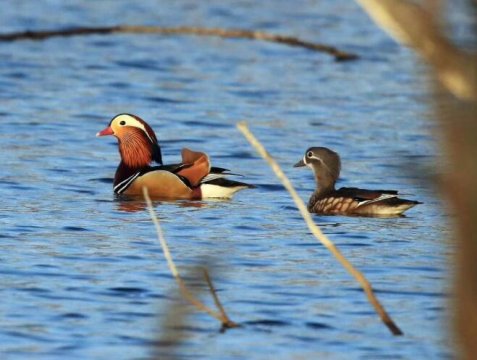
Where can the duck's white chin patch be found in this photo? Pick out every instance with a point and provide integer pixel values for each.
(210, 191)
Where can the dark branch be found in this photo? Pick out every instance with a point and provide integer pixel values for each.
(182, 30)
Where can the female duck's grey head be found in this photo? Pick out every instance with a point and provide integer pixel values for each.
(325, 163)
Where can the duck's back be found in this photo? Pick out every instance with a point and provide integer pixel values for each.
(355, 201)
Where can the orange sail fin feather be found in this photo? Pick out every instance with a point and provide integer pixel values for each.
(199, 166)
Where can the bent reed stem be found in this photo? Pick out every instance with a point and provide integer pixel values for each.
(316, 231)
(186, 293)
(226, 322)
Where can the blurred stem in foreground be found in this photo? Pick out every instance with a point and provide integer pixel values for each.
(419, 28)
(186, 293)
(455, 105)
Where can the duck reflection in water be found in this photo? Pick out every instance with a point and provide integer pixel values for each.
(135, 205)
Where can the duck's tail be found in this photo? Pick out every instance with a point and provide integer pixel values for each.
(220, 187)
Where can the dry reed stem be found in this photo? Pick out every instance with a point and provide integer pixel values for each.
(182, 30)
(221, 316)
(316, 231)
(227, 323)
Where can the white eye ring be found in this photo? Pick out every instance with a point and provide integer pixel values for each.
(309, 154)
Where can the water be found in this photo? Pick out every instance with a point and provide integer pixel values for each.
(83, 275)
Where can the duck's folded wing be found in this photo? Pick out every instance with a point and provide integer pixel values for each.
(365, 197)
(197, 166)
(173, 168)
(195, 169)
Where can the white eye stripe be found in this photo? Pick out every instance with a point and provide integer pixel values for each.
(131, 121)
(306, 158)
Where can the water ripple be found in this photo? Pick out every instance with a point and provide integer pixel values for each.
(83, 274)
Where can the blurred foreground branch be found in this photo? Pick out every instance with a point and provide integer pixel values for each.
(456, 112)
(182, 30)
(414, 26)
(316, 231)
(221, 315)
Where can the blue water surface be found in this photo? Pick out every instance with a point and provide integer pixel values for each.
(83, 275)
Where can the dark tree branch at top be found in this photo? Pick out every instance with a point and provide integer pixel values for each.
(182, 30)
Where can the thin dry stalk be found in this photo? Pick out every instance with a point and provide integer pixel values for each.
(395, 330)
(228, 323)
(182, 30)
(221, 316)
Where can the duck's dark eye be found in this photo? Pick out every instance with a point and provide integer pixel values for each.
(122, 122)
(309, 154)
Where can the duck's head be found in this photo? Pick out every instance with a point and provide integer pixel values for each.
(137, 141)
(325, 163)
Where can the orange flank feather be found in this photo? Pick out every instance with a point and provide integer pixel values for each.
(162, 184)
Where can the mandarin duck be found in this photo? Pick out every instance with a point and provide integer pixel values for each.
(193, 178)
(326, 166)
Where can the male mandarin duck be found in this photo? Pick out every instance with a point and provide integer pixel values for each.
(193, 178)
(326, 166)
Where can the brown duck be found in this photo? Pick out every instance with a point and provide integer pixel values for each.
(193, 178)
(326, 166)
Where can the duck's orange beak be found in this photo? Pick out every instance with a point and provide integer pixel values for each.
(107, 131)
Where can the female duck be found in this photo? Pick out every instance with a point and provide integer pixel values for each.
(193, 178)
(326, 166)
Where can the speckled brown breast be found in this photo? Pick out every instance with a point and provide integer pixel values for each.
(334, 205)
